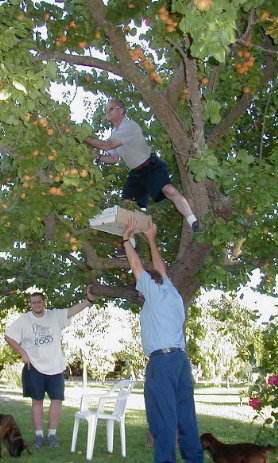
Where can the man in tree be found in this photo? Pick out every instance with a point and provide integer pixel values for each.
(36, 336)
(148, 174)
(168, 387)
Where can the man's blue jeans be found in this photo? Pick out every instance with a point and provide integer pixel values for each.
(170, 408)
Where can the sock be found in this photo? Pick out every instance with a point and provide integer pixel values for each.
(191, 219)
(51, 432)
(39, 432)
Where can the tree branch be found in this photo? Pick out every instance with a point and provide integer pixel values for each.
(80, 61)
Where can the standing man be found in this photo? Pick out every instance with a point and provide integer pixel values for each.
(36, 336)
(148, 174)
(168, 386)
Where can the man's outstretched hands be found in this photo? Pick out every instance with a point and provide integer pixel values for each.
(132, 225)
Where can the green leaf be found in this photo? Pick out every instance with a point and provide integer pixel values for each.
(51, 69)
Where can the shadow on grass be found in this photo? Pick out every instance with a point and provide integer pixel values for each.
(138, 450)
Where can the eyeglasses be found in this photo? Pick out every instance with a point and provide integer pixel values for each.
(112, 109)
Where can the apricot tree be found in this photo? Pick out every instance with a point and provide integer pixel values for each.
(200, 77)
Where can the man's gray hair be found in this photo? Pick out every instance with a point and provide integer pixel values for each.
(119, 103)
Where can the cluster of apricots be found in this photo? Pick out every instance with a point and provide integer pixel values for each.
(247, 61)
(164, 16)
(72, 240)
(185, 93)
(72, 25)
(56, 191)
(42, 121)
(137, 55)
(26, 182)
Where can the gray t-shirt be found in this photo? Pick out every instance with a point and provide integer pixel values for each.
(40, 337)
(134, 149)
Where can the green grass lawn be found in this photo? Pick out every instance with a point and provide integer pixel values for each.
(218, 409)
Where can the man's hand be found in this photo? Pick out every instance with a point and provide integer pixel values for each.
(130, 228)
(151, 232)
(25, 358)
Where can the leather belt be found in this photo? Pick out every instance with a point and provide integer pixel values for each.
(142, 166)
(166, 351)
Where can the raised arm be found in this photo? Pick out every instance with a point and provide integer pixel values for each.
(157, 260)
(132, 256)
(76, 308)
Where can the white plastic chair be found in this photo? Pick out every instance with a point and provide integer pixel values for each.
(111, 407)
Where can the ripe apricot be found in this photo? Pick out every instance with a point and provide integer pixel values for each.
(265, 15)
(171, 29)
(83, 173)
(246, 90)
(205, 81)
(73, 25)
(43, 121)
(63, 38)
(203, 5)
(27, 117)
(27, 178)
(50, 132)
(82, 44)
(36, 153)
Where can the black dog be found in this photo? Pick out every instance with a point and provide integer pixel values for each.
(234, 453)
(11, 436)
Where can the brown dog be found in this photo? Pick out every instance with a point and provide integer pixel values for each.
(234, 453)
(11, 436)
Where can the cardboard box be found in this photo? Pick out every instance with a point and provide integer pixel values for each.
(114, 219)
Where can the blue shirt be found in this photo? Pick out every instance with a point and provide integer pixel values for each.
(162, 316)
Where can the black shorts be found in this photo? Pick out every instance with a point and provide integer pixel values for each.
(36, 384)
(147, 182)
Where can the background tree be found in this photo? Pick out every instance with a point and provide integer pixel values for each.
(132, 354)
(201, 77)
(264, 392)
(219, 334)
(82, 342)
